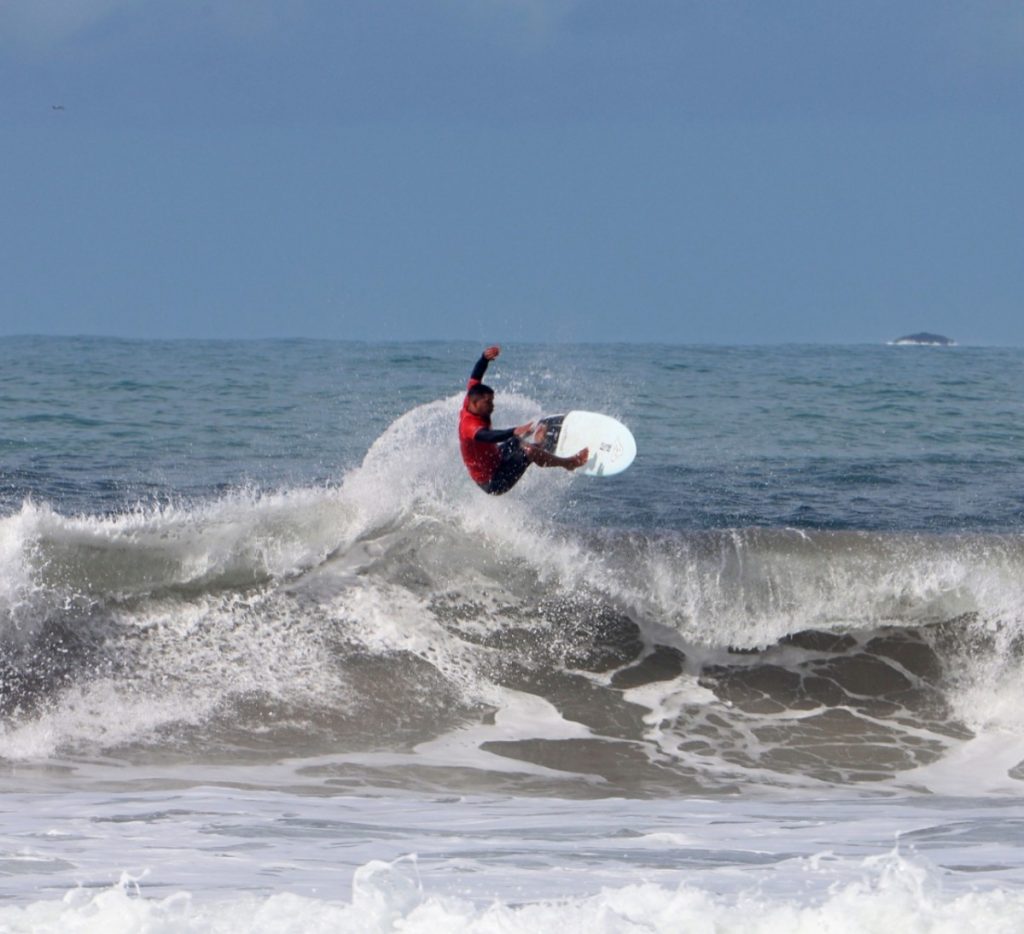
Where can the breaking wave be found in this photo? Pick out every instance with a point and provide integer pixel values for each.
(405, 626)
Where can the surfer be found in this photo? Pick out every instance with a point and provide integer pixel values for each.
(497, 458)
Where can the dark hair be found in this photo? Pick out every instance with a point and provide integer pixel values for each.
(479, 390)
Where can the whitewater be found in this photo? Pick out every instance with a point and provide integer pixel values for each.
(270, 661)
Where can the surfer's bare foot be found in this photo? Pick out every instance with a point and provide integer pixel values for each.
(537, 455)
(578, 459)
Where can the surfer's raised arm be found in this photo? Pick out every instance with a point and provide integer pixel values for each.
(481, 365)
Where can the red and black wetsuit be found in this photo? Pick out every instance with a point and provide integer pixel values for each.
(494, 457)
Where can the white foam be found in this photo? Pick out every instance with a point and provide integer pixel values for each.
(978, 766)
(17, 586)
(192, 658)
(751, 588)
(101, 715)
(666, 702)
(895, 894)
(519, 717)
(239, 539)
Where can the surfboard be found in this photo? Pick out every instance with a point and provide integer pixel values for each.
(612, 445)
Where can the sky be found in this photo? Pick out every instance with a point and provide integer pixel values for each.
(684, 171)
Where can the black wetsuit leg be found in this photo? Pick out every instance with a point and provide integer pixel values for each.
(511, 469)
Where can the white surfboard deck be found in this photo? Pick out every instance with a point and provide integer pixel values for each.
(612, 445)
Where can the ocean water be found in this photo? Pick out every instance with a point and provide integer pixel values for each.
(270, 661)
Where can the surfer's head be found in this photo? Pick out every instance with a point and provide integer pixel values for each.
(480, 399)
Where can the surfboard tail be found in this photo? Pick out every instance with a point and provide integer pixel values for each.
(553, 424)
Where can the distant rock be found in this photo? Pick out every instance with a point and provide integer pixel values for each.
(925, 339)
